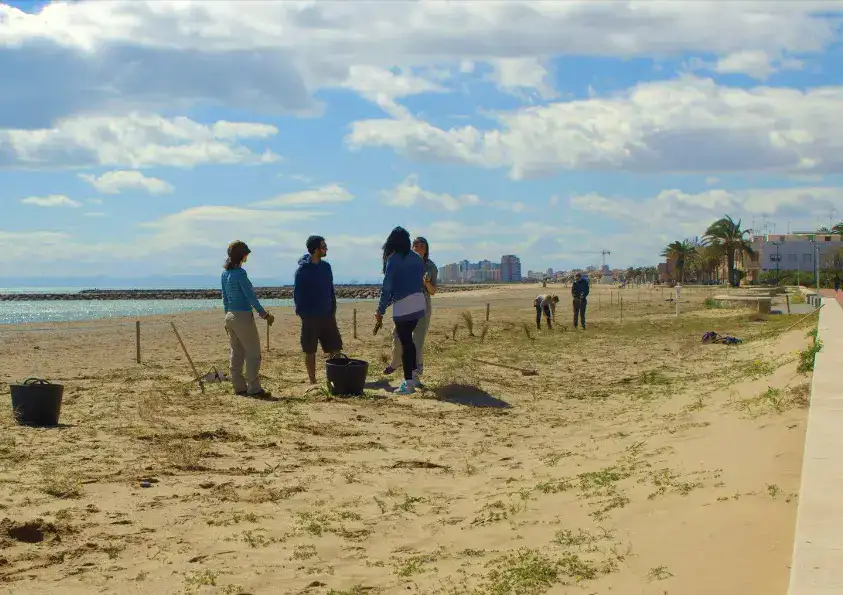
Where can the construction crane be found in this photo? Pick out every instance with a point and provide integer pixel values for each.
(602, 254)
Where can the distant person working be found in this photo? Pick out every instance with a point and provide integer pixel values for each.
(579, 291)
(545, 305)
(316, 304)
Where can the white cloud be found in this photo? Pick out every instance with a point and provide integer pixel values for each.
(135, 140)
(114, 182)
(53, 200)
(677, 213)
(408, 194)
(211, 226)
(516, 75)
(683, 125)
(383, 87)
(757, 64)
(271, 57)
(332, 193)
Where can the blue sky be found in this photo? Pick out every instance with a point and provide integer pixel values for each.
(138, 139)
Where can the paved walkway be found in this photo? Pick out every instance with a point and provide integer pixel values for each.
(817, 566)
(830, 293)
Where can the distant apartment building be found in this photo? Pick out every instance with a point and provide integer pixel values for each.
(510, 269)
(790, 252)
(450, 273)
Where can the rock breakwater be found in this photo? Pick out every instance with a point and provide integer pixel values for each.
(348, 292)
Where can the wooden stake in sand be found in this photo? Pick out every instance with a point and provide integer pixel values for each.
(189, 360)
(267, 337)
(137, 341)
(803, 318)
(487, 311)
(354, 323)
(621, 308)
(787, 299)
(524, 371)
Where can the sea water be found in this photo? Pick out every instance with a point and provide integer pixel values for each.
(33, 311)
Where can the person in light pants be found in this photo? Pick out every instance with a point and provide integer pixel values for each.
(238, 298)
(429, 284)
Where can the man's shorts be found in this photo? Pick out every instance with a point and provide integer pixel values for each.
(320, 329)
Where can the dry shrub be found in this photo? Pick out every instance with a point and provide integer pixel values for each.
(528, 332)
(468, 319)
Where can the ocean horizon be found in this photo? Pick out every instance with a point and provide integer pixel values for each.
(39, 311)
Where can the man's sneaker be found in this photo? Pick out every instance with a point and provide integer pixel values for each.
(388, 370)
(408, 387)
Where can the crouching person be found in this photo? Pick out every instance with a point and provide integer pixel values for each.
(545, 305)
(316, 304)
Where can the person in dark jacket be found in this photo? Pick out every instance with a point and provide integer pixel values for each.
(579, 291)
(316, 304)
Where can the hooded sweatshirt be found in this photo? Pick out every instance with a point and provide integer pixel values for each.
(313, 290)
(402, 287)
(580, 288)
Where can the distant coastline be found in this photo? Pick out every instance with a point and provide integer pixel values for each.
(347, 292)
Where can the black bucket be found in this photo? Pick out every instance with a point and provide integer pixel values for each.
(346, 376)
(36, 402)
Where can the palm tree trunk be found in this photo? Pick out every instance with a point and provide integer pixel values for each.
(730, 255)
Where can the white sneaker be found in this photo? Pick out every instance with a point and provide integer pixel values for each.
(408, 387)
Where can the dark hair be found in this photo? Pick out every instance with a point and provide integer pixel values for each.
(314, 243)
(423, 240)
(397, 242)
(237, 251)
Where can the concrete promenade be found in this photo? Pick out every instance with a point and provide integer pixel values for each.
(817, 566)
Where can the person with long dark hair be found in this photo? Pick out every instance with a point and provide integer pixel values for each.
(238, 299)
(403, 270)
(429, 284)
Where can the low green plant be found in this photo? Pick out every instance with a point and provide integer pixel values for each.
(807, 355)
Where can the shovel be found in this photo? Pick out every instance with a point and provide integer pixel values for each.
(524, 371)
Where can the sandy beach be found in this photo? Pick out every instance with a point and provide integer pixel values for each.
(637, 461)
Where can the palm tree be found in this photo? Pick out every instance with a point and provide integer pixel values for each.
(707, 259)
(682, 252)
(838, 228)
(726, 236)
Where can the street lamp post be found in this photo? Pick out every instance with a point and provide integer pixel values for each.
(778, 259)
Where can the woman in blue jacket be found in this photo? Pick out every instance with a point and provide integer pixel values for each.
(403, 271)
(238, 299)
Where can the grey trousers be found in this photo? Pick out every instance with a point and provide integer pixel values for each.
(419, 335)
(245, 343)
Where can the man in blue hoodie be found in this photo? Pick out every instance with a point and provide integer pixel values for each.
(316, 304)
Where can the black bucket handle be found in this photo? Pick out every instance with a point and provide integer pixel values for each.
(32, 380)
